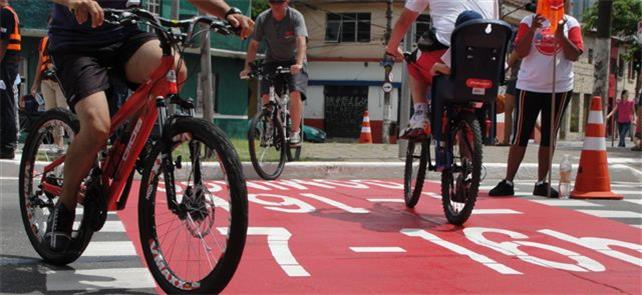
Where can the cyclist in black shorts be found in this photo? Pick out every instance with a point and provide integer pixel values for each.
(83, 48)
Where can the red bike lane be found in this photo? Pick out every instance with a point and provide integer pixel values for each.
(356, 236)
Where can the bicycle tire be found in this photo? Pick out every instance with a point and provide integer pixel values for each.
(464, 188)
(413, 193)
(38, 135)
(269, 170)
(163, 271)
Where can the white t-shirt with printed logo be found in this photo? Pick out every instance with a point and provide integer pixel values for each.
(536, 72)
(444, 13)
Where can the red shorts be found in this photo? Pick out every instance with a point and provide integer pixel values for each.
(420, 69)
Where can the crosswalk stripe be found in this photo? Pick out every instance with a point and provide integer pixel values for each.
(109, 227)
(625, 192)
(494, 211)
(97, 279)
(634, 201)
(567, 203)
(122, 248)
(612, 213)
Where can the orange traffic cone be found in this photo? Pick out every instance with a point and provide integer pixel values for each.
(593, 181)
(366, 133)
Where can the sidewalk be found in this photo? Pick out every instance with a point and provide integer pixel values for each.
(347, 160)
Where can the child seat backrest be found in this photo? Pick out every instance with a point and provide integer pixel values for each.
(478, 50)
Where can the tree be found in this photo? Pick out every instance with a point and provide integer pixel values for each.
(626, 14)
(258, 6)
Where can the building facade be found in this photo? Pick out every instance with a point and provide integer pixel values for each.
(231, 96)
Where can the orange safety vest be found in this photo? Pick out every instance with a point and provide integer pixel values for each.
(45, 59)
(14, 37)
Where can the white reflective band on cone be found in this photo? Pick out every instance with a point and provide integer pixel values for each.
(594, 144)
(595, 117)
(365, 129)
(366, 119)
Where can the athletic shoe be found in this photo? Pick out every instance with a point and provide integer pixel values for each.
(418, 127)
(541, 189)
(59, 227)
(295, 139)
(503, 188)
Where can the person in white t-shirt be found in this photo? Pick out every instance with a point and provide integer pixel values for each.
(443, 14)
(537, 44)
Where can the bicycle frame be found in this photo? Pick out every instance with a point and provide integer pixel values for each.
(142, 109)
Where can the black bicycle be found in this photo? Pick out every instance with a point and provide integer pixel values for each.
(478, 50)
(270, 130)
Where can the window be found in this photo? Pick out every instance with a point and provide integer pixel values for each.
(154, 6)
(620, 66)
(590, 56)
(422, 25)
(347, 27)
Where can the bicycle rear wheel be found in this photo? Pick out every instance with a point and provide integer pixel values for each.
(193, 242)
(415, 171)
(40, 150)
(267, 145)
(460, 183)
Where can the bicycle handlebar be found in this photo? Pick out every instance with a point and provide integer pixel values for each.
(167, 26)
(258, 72)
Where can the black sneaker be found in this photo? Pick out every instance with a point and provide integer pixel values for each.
(541, 189)
(59, 226)
(7, 154)
(503, 188)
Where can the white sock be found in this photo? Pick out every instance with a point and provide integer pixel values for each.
(420, 107)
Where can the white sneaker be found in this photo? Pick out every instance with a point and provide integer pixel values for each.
(418, 126)
(295, 139)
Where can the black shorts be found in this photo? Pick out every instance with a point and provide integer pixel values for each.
(298, 82)
(528, 106)
(84, 71)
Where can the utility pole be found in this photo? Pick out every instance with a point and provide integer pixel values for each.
(206, 77)
(603, 50)
(176, 5)
(387, 106)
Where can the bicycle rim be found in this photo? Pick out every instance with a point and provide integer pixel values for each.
(267, 146)
(197, 248)
(415, 171)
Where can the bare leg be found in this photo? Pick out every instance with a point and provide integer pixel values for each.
(296, 105)
(509, 104)
(418, 90)
(515, 157)
(93, 114)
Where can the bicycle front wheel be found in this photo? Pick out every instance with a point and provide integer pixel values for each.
(460, 183)
(193, 240)
(414, 171)
(267, 146)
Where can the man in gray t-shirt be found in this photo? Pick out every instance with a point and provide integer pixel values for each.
(285, 35)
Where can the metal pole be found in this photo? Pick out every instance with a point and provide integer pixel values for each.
(206, 78)
(387, 107)
(406, 102)
(176, 5)
(552, 138)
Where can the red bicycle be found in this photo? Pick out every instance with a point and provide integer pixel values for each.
(192, 206)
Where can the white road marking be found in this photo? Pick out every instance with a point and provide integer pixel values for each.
(432, 195)
(386, 200)
(377, 249)
(637, 225)
(567, 203)
(494, 211)
(625, 192)
(634, 201)
(612, 213)
(109, 227)
(98, 279)
(121, 248)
